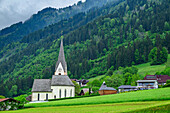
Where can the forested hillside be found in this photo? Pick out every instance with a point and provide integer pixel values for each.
(44, 18)
(116, 35)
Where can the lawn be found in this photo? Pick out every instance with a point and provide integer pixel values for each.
(99, 108)
(98, 77)
(147, 69)
(147, 95)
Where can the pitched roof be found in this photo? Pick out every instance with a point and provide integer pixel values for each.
(41, 85)
(146, 81)
(104, 87)
(4, 99)
(61, 58)
(159, 78)
(127, 87)
(61, 80)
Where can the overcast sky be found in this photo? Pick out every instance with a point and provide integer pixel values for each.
(13, 11)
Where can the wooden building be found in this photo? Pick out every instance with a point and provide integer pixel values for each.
(104, 90)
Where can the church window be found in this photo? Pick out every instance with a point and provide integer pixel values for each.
(60, 93)
(71, 93)
(38, 96)
(46, 96)
(65, 92)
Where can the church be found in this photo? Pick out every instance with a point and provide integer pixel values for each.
(60, 86)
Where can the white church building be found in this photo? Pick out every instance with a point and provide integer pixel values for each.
(60, 86)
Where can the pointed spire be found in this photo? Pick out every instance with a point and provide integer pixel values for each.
(61, 58)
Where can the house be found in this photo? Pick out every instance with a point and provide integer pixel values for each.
(104, 90)
(83, 91)
(161, 79)
(82, 82)
(124, 88)
(8, 104)
(60, 86)
(147, 84)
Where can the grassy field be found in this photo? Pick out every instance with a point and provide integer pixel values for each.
(146, 68)
(98, 77)
(99, 108)
(147, 95)
(125, 102)
(157, 109)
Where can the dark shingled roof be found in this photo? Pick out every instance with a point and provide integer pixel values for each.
(61, 80)
(61, 58)
(127, 87)
(41, 85)
(104, 87)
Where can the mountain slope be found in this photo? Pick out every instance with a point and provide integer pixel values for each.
(44, 18)
(109, 40)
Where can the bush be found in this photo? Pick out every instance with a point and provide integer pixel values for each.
(22, 99)
(1, 96)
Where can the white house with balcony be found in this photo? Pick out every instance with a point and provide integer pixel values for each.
(147, 84)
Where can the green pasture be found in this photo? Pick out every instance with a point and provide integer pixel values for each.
(99, 108)
(97, 77)
(144, 69)
(124, 102)
(147, 95)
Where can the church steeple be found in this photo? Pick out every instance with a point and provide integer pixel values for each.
(61, 66)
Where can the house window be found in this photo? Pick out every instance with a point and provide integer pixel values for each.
(140, 84)
(65, 92)
(60, 93)
(38, 96)
(47, 97)
(71, 93)
(54, 96)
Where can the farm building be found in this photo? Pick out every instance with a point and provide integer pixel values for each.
(161, 79)
(147, 84)
(124, 88)
(104, 90)
(60, 86)
(8, 104)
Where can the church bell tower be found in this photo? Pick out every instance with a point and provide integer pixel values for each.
(61, 66)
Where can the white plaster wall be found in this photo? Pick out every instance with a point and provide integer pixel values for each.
(42, 96)
(62, 71)
(56, 90)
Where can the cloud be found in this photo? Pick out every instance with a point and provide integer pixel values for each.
(13, 11)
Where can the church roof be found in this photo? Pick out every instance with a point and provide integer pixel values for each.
(61, 80)
(41, 85)
(61, 57)
(104, 87)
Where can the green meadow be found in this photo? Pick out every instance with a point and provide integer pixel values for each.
(98, 108)
(124, 102)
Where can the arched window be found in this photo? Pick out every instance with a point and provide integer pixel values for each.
(38, 96)
(65, 92)
(60, 93)
(47, 97)
(71, 93)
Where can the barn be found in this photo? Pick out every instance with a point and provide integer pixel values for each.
(104, 90)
